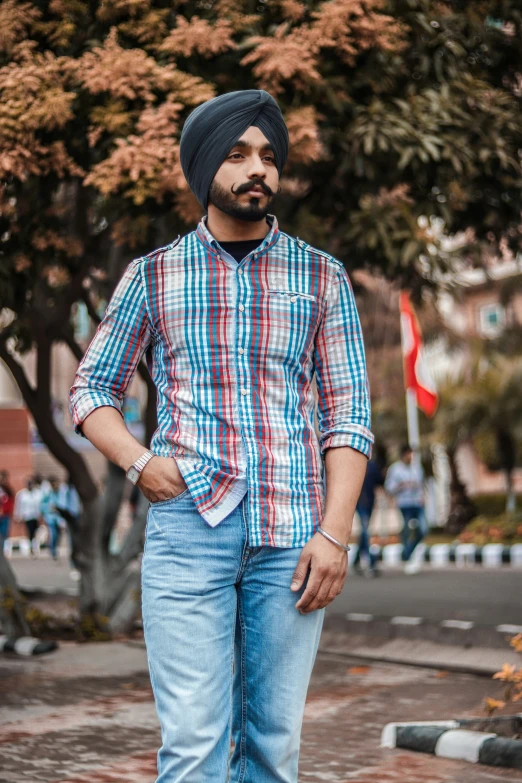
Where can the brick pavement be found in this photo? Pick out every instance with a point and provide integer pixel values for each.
(87, 716)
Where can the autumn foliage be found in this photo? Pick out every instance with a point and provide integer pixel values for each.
(395, 110)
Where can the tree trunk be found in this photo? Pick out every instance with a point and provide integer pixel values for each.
(507, 451)
(462, 509)
(12, 615)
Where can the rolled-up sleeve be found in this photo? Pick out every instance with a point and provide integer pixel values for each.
(110, 362)
(343, 410)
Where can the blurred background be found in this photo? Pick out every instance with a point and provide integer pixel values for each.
(405, 163)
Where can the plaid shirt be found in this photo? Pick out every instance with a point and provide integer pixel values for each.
(232, 349)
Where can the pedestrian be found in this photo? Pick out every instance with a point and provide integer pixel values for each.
(7, 499)
(373, 478)
(70, 507)
(405, 481)
(52, 517)
(243, 550)
(27, 510)
(41, 485)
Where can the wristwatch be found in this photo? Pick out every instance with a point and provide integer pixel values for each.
(134, 471)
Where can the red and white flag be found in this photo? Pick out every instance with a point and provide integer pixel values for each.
(417, 376)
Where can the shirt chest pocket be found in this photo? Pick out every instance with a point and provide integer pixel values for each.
(286, 323)
(292, 296)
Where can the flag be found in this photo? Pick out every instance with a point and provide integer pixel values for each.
(417, 376)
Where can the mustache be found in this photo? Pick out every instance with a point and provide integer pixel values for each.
(252, 184)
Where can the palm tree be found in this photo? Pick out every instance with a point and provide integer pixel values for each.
(485, 399)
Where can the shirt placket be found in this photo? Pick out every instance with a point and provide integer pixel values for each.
(242, 381)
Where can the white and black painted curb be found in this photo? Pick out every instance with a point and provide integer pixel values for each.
(461, 555)
(436, 555)
(26, 646)
(447, 740)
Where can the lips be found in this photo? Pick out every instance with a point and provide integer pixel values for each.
(256, 192)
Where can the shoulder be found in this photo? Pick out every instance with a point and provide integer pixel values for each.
(160, 254)
(299, 244)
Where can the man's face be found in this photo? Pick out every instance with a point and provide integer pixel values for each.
(247, 181)
(406, 457)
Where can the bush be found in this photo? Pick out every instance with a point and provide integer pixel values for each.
(502, 529)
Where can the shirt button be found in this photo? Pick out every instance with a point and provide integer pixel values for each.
(244, 391)
(293, 298)
(240, 271)
(241, 307)
(241, 351)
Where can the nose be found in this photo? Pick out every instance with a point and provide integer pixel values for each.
(256, 168)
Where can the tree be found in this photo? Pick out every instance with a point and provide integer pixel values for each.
(483, 406)
(397, 110)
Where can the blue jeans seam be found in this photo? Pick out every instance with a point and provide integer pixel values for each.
(231, 694)
(243, 733)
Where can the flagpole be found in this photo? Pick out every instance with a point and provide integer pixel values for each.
(412, 414)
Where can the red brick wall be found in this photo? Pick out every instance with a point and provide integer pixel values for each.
(15, 451)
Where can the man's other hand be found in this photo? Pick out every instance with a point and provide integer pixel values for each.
(161, 479)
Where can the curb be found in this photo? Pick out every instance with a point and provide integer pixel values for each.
(463, 633)
(26, 646)
(461, 555)
(447, 740)
(437, 555)
(34, 591)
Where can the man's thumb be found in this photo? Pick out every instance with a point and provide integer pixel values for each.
(300, 573)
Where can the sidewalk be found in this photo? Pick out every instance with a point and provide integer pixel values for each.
(86, 715)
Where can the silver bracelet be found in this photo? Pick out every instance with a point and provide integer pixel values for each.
(333, 540)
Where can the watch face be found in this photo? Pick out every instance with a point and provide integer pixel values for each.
(133, 474)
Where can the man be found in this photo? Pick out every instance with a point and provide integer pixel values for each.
(234, 319)
(53, 519)
(372, 479)
(70, 507)
(405, 481)
(27, 509)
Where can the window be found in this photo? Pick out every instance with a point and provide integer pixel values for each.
(491, 319)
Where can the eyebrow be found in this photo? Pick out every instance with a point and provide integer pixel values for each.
(244, 145)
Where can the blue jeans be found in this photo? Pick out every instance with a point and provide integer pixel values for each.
(52, 522)
(4, 529)
(411, 536)
(364, 537)
(230, 657)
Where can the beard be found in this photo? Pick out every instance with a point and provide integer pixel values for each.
(227, 201)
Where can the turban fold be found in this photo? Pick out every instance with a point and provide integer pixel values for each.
(212, 129)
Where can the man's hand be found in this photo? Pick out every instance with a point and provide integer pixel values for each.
(328, 564)
(161, 479)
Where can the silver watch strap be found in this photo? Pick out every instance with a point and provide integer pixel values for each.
(142, 461)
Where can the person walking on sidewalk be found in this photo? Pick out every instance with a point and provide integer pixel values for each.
(27, 510)
(373, 478)
(52, 517)
(7, 501)
(405, 481)
(244, 548)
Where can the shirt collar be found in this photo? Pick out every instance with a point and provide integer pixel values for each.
(212, 244)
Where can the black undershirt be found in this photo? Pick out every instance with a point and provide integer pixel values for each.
(239, 250)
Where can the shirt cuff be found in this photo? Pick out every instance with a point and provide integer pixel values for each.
(360, 441)
(81, 408)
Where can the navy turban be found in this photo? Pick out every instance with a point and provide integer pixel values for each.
(212, 129)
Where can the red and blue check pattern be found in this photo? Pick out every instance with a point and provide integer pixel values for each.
(232, 349)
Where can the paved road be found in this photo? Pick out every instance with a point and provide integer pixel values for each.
(86, 715)
(486, 597)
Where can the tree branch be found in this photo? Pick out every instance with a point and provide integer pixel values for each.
(41, 412)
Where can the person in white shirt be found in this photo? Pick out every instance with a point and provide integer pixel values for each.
(27, 509)
(405, 481)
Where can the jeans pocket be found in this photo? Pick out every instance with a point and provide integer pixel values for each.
(170, 501)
